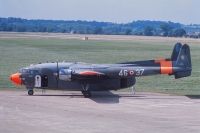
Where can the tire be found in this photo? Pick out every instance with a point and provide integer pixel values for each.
(86, 94)
(30, 92)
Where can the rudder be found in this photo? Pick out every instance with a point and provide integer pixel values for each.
(182, 65)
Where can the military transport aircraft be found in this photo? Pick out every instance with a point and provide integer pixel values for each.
(77, 76)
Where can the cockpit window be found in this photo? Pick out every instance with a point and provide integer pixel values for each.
(24, 70)
(31, 72)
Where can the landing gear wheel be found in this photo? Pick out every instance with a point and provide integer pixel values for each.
(30, 92)
(85, 91)
(87, 94)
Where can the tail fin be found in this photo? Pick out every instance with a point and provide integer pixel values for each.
(181, 58)
(176, 51)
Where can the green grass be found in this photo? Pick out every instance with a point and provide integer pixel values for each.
(16, 53)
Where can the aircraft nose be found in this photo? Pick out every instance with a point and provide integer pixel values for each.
(16, 79)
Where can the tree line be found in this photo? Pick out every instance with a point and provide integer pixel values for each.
(146, 27)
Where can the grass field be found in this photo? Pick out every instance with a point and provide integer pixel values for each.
(16, 52)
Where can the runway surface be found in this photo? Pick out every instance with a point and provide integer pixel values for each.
(69, 112)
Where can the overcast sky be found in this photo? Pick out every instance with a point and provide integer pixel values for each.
(120, 11)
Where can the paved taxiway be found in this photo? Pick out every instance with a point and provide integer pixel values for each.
(64, 112)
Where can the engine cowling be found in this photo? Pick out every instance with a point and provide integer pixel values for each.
(65, 74)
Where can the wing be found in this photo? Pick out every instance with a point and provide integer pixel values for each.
(88, 74)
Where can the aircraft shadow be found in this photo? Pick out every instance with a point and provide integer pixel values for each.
(98, 97)
(60, 95)
(103, 97)
(193, 96)
(107, 97)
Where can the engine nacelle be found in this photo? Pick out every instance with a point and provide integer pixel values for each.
(65, 74)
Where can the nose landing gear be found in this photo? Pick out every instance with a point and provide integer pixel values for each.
(30, 92)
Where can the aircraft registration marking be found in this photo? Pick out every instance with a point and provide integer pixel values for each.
(125, 72)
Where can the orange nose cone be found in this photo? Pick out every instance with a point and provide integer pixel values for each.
(15, 78)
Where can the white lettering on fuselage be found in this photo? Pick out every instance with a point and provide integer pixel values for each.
(125, 72)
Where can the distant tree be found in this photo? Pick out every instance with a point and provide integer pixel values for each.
(141, 27)
(179, 32)
(98, 30)
(21, 29)
(128, 32)
(199, 35)
(166, 28)
(148, 31)
(42, 29)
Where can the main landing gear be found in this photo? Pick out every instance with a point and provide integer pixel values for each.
(133, 90)
(86, 93)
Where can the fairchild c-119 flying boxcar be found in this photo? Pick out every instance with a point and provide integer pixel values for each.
(86, 77)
